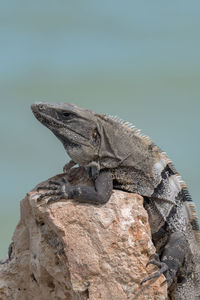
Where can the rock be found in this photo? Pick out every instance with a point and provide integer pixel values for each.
(73, 251)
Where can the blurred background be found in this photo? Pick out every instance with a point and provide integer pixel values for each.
(139, 60)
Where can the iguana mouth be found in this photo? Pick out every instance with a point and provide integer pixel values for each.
(47, 120)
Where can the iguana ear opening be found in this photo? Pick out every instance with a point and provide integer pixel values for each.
(95, 135)
(95, 138)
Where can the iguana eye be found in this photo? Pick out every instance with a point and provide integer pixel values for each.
(66, 114)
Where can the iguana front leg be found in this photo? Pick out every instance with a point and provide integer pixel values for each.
(171, 259)
(98, 194)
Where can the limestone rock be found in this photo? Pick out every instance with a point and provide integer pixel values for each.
(73, 251)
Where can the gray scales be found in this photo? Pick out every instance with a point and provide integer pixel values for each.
(116, 155)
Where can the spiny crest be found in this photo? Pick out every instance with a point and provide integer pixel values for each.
(187, 194)
(122, 122)
(192, 215)
(129, 126)
(194, 221)
(181, 181)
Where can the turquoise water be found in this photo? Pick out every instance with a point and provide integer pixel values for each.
(136, 59)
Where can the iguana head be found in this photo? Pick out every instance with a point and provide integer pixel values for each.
(92, 139)
(76, 128)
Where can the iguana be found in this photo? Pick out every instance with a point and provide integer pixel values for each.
(116, 155)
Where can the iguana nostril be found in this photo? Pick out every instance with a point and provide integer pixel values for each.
(40, 107)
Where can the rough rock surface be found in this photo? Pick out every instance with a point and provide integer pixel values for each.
(73, 251)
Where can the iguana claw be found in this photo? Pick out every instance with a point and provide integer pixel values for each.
(154, 260)
(57, 189)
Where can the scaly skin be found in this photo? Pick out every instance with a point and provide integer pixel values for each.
(117, 156)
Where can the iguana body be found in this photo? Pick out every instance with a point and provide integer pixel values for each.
(116, 155)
